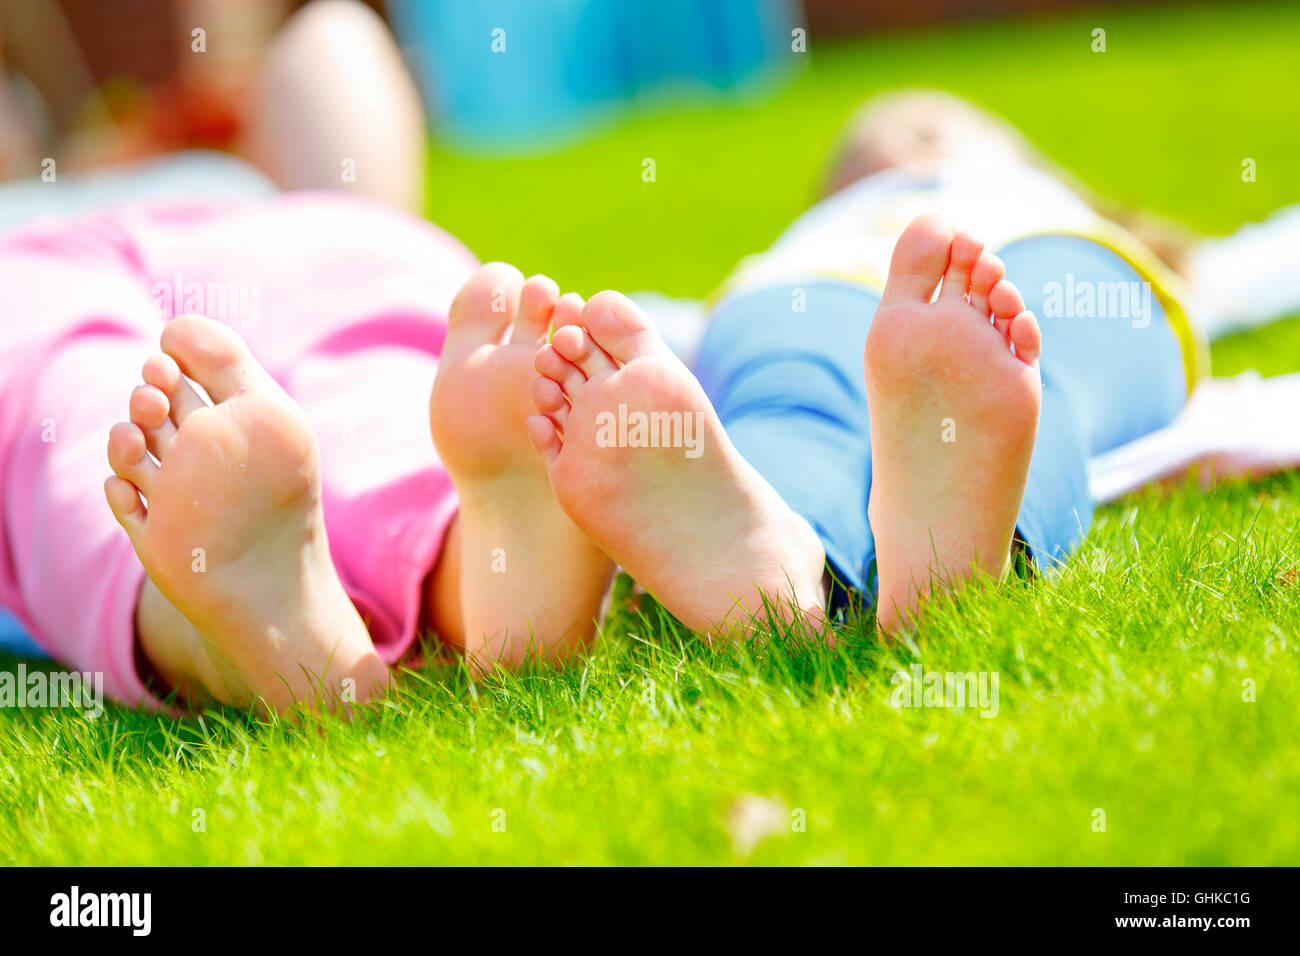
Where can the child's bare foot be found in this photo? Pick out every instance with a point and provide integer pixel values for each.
(233, 535)
(529, 579)
(954, 415)
(681, 510)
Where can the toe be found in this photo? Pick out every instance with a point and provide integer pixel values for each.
(545, 437)
(149, 407)
(162, 372)
(128, 456)
(617, 325)
(965, 254)
(573, 343)
(124, 501)
(485, 306)
(560, 370)
(919, 261)
(1005, 300)
(988, 273)
(537, 300)
(212, 355)
(1006, 303)
(1026, 337)
(548, 399)
(149, 410)
(568, 311)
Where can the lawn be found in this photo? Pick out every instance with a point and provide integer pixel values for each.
(1154, 679)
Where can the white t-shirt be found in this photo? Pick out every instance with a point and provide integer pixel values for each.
(854, 231)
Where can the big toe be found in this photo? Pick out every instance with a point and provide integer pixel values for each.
(920, 259)
(212, 355)
(485, 306)
(619, 327)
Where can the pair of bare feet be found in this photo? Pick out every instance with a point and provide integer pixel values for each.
(243, 602)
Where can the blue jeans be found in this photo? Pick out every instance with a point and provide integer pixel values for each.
(789, 389)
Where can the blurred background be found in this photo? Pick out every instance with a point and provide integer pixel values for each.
(122, 78)
(114, 80)
(537, 117)
(637, 144)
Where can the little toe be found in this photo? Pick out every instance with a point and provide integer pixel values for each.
(618, 326)
(124, 501)
(560, 370)
(128, 456)
(537, 301)
(1027, 337)
(920, 260)
(965, 254)
(485, 306)
(548, 398)
(162, 372)
(545, 437)
(149, 412)
(988, 272)
(212, 355)
(576, 345)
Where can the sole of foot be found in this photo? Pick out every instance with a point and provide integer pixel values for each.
(530, 582)
(639, 460)
(954, 396)
(222, 504)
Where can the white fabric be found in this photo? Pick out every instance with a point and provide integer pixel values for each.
(1248, 278)
(1231, 427)
(854, 231)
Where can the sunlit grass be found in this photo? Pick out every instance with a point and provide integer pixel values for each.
(1123, 680)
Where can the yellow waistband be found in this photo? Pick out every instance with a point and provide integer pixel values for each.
(1167, 287)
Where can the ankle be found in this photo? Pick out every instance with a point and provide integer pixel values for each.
(170, 655)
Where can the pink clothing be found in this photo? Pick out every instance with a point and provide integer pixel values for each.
(344, 303)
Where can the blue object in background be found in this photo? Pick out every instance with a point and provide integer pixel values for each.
(552, 66)
(517, 72)
(188, 176)
(14, 640)
(716, 43)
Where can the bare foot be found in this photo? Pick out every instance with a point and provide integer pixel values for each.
(529, 579)
(233, 536)
(638, 458)
(954, 415)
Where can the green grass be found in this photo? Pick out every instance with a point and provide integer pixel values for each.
(1121, 678)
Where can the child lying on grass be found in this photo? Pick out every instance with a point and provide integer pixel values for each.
(290, 528)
